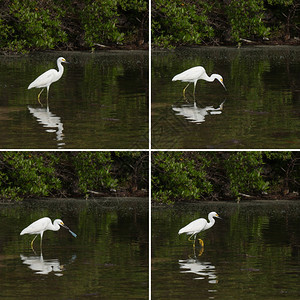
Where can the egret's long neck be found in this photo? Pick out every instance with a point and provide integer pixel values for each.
(60, 68)
(211, 77)
(55, 226)
(210, 223)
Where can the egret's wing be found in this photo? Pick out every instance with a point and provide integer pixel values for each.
(190, 74)
(43, 80)
(36, 227)
(195, 226)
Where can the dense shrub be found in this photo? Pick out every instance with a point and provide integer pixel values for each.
(190, 176)
(36, 174)
(51, 24)
(198, 22)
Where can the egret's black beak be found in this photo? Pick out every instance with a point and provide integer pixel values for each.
(63, 225)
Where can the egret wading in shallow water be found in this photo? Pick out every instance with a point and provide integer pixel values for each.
(199, 225)
(43, 224)
(47, 78)
(192, 75)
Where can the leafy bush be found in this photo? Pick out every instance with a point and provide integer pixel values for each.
(246, 19)
(99, 19)
(179, 175)
(33, 26)
(93, 170)
(41, 25)
(23, 174)
(35, 174)
(186, 176)
(180, 22)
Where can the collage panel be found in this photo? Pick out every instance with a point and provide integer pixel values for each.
(74, 75)
(225, 225)
(74, 225)
(224, 76)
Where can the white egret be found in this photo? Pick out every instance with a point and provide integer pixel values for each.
(194, 74)
(199, 225)
(43, 224)
(48, 77)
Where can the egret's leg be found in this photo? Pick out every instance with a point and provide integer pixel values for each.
(41, 243)
(185, 89)
(195, 83)
(39, 97)
(201, 243)
(47, 94)
(190, 238)
(32, 242)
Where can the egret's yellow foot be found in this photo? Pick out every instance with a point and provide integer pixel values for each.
(31, 244)
(39, 97)
(201, 251)
(201, 243)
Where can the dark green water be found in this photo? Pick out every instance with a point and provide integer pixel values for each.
(107, 260)
(101, 101)
(252, 253)
(260, 109)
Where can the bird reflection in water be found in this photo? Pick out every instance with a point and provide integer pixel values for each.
(50, 121)
(44, 266)
(196, 114)
(203, 269)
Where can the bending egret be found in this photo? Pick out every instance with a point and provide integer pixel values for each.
(48, 77)
(199, 225)
(43, 224)
(194, 74)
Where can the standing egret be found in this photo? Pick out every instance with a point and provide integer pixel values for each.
(199, 225)
(194, 74)
(43, 224)
(48, 77)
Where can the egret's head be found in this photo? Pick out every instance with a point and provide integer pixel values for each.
(215, 215)
(220, 79)
(63, 60)
(61, 223)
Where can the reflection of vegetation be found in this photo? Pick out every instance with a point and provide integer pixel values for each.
(33, 174)
(226, 175)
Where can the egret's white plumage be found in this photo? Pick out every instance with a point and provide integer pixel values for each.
(192, 75)
(199, 225)
(43, 224)
(47, 78)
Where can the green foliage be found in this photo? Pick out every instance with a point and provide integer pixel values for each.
(222, 175)
(93, 170)
(35, 174)
(41, 25)
(99, 19)
(191, 22)
(24, 174)
(33, 27)
(177, 22)
(179, 175)
(244, 171)
(246, 19)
